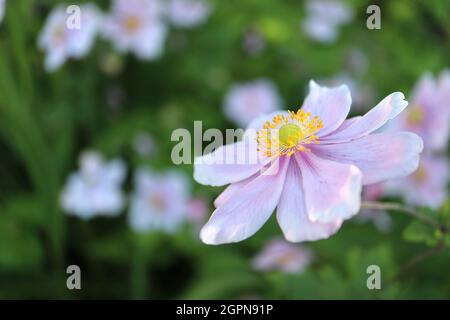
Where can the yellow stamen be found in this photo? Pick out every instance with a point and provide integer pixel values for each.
(285, 135)
(156, 201)
(420, 175)
(415, 115)
(132, 23)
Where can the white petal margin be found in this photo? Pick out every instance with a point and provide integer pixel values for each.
(331, 105)
(291, 212)
(384, 111)
(246, 212)
(227, 164)
(332, 190)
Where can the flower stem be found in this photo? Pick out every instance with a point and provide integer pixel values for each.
(417, 259)
(410, 211)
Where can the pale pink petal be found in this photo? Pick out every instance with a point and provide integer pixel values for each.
(444, 88)
(331, 105)
(227, 164)
(347, 123)
(245, 213)
(379, 156)
(291, 212)
(231, 190)
(386, 110)
(332, 189)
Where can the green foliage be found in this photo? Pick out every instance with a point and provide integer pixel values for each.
(46, 120)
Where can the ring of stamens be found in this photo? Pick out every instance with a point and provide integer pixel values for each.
(285, 135)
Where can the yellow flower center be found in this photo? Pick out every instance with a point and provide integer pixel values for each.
(285, 135)
(286, 258)
(59, 34)
(290, 134)
(157, 201)
(415, 115)
(132, 23)
(420, 175)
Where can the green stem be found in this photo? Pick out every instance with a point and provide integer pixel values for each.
(392, 206)
(417, 259)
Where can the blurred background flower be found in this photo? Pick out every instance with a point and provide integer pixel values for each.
(425, 187)
(158, 201)
(136, 26)
(61, 42)
(160, 65)
(324, 18)
(429, 113)
(246, 101)
(188, 13)
(283, 256)
(95, 189)
(197, 210)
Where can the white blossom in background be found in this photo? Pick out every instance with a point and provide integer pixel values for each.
(2, 9)
(280, 255)
(158, 201)
(136, 26)
(61, 43)
(324, 18)
(362, 94)
(427, 186)
(95, 190)
(429, 112)
(188, 13)
(246, 101)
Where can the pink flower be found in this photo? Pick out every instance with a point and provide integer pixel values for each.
(61, 42)
(95, 190)
(188, 13)
(429, 114)
(427, 186)
(158, 201)
(196, 210)
(324, 19)
(244, 102)
(309, 164)
(137, 26)
(283, 256)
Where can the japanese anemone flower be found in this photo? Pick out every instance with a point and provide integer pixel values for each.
(429, 112)
(283, 256)
(310, 165)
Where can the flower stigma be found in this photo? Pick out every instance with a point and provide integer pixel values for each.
(287, 134)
